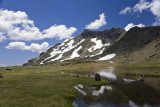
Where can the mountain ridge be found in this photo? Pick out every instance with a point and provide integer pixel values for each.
(113, 46)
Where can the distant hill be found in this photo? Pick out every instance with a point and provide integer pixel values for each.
(113, 46)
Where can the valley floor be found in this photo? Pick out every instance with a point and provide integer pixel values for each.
(45, 86)
(42, 86)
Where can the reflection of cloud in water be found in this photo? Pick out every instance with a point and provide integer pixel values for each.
(125, 80)
(101, 91)
(80, 85)
(81, 91)
(108, 88)
(79, 103)
(132, 104)
(108, 73)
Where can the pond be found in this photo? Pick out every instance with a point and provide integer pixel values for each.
(123, 90)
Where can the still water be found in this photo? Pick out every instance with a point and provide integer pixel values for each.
(123, 90)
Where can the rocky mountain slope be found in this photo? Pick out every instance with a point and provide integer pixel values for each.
(138, 45)
(113, 45)
(89, 45)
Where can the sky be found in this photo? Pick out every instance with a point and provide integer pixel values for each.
(29, 27)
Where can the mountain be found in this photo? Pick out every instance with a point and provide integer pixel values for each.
(113, 46)
(138, 45)
(89, 45)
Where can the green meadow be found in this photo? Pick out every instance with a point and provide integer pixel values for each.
(46, 86)
(43, 86)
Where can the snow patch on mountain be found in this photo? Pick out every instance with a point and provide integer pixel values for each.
(69, 46)
(107, 57)
(41, 63)
(98, 45)
(107, 44)
(59, 57)
(99, 53)
(75, 54)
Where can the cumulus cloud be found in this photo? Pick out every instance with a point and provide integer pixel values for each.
(153, 6)
(18, 26)
(97, 23)
(60, 32)
(2, 38)
(131, 25)
(124, 11)
(34, 47)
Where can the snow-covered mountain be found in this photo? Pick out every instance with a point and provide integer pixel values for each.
(113, 46)
(89, 45)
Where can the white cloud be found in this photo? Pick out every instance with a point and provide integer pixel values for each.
(97, 23)
(18, 26)
(60, 32)
(124, 11)
(153, 6)
(2, 65)
(34, 47)
(131, 25)
(142, 5)
(2, 38)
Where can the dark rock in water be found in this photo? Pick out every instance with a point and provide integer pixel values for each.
(127, 74)
(140, 79)
(97, 77)
(77, 76)
(1, 75)
(143, 75)
(9, 69)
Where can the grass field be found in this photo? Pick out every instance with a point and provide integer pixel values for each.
(42, 86)
(143, 64)
(46, 86)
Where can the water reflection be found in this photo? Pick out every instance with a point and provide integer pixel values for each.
(116, 94)
(108, 75)
(80, 103)
(101, 91)
(80, 90)
(125, 80)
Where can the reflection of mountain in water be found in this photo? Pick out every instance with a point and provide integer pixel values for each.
(120, 94)
(80, 103)
(108, 73)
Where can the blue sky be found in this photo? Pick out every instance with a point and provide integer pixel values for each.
(68, 16)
